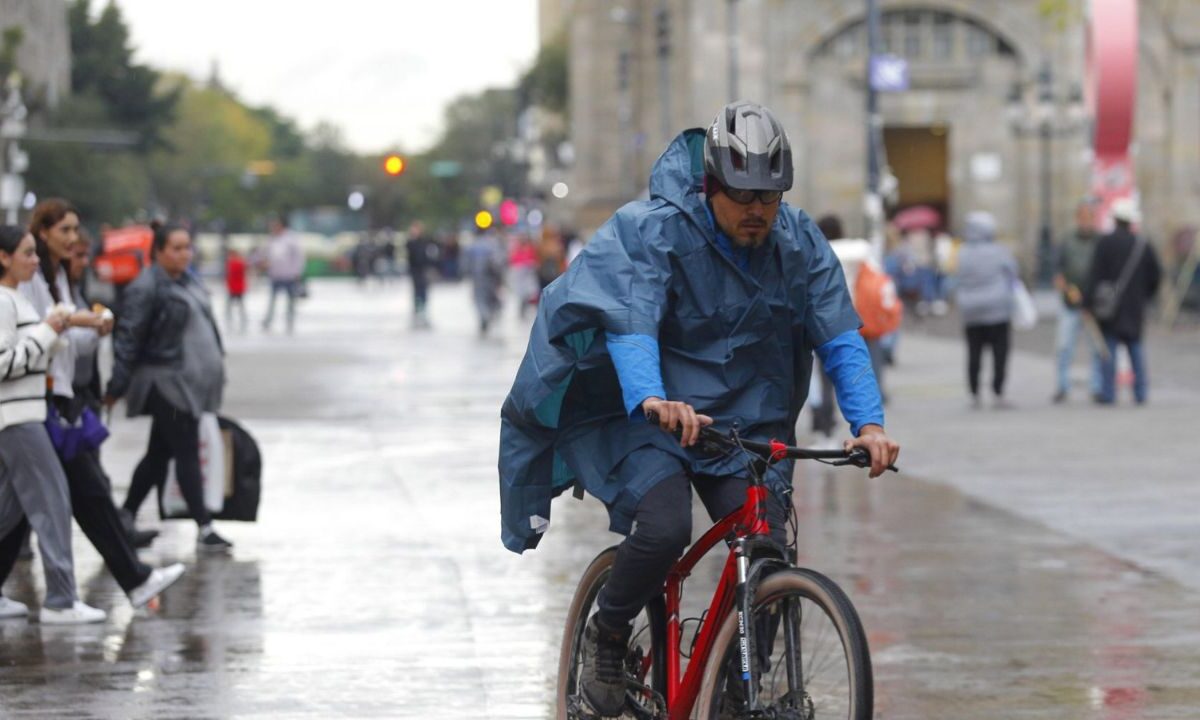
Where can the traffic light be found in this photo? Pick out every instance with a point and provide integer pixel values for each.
(393, 165)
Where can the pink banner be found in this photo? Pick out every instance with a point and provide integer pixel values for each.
(1112, 65)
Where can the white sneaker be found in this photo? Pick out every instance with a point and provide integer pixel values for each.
(80, 614)
(12, 608)
(160, 579)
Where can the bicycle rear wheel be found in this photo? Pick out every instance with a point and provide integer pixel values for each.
(645, 662)
(811, 658)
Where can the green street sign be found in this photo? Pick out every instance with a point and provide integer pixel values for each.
(445, 168)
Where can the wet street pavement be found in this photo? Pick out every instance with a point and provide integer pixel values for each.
(1010, 572)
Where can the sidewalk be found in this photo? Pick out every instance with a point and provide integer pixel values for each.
(1121, 478)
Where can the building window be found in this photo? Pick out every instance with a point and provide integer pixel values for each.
(913, 31)
(942, 46)
(845, 45)
(979, 41)
(920, 35)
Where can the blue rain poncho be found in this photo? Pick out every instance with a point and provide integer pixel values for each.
(735, 343)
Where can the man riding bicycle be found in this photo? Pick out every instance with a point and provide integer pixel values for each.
(701, 305)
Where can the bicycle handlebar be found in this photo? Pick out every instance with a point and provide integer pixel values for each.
(774, 451)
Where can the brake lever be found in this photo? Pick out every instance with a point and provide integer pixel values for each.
(860, 458)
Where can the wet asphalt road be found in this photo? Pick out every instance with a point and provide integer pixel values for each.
(374, 584)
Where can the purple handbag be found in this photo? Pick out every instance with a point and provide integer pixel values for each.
(69, 439)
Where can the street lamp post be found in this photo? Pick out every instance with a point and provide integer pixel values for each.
(1045, 122)
(874, 198)
(13, 160)
(731, 22)
(628, 21)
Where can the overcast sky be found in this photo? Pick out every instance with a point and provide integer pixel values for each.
(382, 70)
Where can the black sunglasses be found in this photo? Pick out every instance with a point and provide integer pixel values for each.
(745, 197)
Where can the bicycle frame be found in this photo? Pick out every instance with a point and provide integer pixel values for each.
(746, 529)
(742, 524)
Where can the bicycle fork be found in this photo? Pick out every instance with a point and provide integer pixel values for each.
(743, 599)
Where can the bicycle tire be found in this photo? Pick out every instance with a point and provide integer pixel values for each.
(580, 610)
(821, 592)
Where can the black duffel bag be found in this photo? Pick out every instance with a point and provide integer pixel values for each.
(244, 466)
(243, 477)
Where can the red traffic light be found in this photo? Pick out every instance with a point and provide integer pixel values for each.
(393, 165)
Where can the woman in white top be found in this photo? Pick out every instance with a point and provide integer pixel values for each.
(55, 228)
(33, 488)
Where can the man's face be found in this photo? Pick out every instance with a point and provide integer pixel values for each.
(1085, 218)
(747, 225)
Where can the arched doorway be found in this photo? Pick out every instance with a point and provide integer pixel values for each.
(947, 137)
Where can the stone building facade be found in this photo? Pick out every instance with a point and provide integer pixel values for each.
(44, 55)
(966, 135)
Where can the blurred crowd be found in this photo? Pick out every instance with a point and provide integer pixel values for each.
(498, 263)
(1105, 276)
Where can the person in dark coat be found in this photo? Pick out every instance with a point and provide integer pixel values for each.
(422, 258)
(1124, 277)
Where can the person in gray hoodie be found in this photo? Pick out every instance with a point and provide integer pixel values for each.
(987, 272)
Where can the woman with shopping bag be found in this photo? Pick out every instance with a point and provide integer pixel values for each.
(169, 364)
(75, 432)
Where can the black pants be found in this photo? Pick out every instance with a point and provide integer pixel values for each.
(662, 531)
(978, 337)
(93, 508)
(173, 435)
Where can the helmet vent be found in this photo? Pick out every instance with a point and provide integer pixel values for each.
(738, 160)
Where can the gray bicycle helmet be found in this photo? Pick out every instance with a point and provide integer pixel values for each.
(747, 149)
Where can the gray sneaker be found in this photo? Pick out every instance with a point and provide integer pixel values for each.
(602, 679)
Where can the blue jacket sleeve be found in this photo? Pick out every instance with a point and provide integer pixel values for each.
(636, 358)
(848, 364)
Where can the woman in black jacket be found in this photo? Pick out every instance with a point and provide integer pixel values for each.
(169, 364)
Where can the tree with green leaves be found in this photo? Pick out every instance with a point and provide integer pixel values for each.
(102, 65)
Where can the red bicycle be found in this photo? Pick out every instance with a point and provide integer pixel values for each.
(777, 642)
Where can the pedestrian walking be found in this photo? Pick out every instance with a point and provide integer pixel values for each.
(33, 489)
(485, 262)
(422, 258)
(987, 272)
(1074, 261)
(169, 364)
(1124, 278)
(76, 431)
(235, 289)
(875, 299)
(285, 269)
(523, 268)
(702, 305)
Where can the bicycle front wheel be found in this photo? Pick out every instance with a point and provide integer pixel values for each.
(810, 657)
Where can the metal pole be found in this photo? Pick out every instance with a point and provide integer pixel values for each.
(874, 202)
(1045, 236)
(731, 15)
(664, 68)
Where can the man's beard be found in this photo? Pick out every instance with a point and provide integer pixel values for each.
(753, 239)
